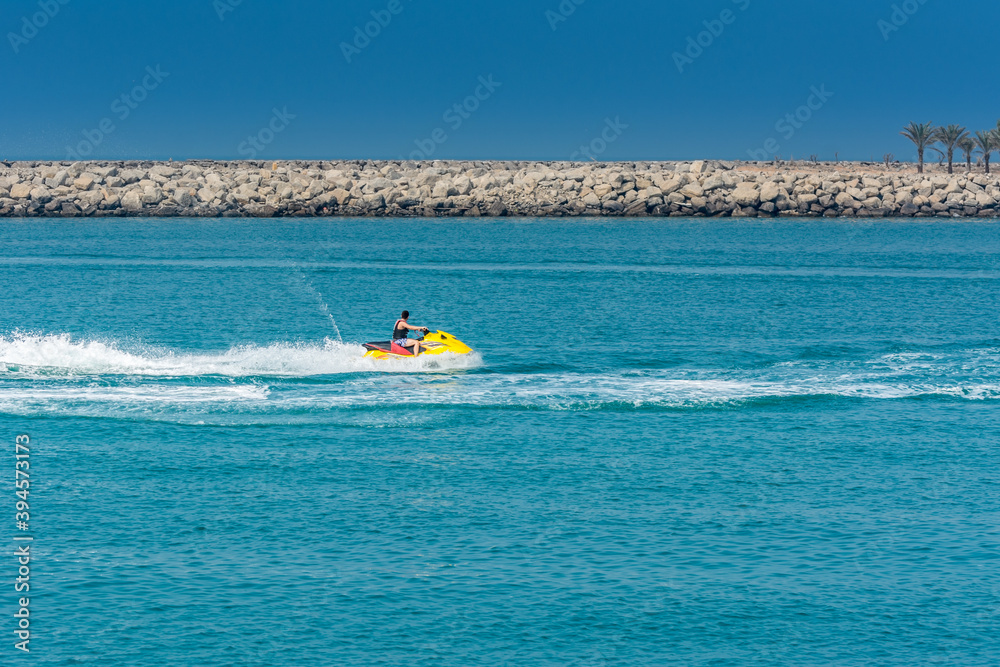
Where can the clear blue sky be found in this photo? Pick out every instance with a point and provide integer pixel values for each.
(224, 73)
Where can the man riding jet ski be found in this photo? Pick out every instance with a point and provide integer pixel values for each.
(401, 345)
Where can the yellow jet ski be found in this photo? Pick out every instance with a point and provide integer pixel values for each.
(438, 342)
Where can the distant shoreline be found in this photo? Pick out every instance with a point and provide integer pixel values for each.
(387, 188)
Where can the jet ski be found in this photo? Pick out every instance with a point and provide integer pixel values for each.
(437, 342)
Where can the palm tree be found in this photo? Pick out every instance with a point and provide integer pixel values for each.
(950, 136)
(968, 146)
(987, 141)
(923, 135)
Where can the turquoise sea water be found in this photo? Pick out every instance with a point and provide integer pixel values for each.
(681, 442)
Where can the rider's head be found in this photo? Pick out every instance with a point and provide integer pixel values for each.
(406, 314)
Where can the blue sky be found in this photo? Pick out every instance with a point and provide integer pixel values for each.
(272, 80)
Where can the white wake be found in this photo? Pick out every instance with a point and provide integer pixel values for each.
(59, 354)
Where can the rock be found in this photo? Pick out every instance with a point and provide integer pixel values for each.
(20, 190)
(713, 183)
(130, 176)
(41, 194)
(769, 192)
(603, 189)
(844, 200)
(636, 208)
(58, 179)
(183, 198)
(592, 199)
(132, 200)
(83, 182)
(443, 190)
(613, 206)
(746, 194)
(985, 201)
(374, 202)
(692, 190)
(379, 184)
(670, 186)
(91, 198)
(151, 195)
(163, 170)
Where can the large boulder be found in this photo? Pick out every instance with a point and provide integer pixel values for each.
(985, 201)
(699, 167)
(132, 200)
(58, 179)
(713, 183)
(746, 195)
(692, 190)
(379, 184)
(845, 201)
(769, 192)
(151, 195)
(671, 185)
(374, 202)
(83, 182)
(444, 189)
(91, 198)
(41, 194)
(163, 170)
(20, 190)
(183, 197)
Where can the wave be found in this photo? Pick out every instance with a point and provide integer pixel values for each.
(378, 405)
(28, 355)
(57, 375)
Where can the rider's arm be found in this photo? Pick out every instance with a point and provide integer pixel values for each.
(414, 328)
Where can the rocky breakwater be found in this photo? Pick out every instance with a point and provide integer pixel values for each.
(371, 188)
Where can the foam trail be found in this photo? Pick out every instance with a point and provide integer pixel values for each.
(28, 355)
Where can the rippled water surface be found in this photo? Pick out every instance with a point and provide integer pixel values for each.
(679, 442)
